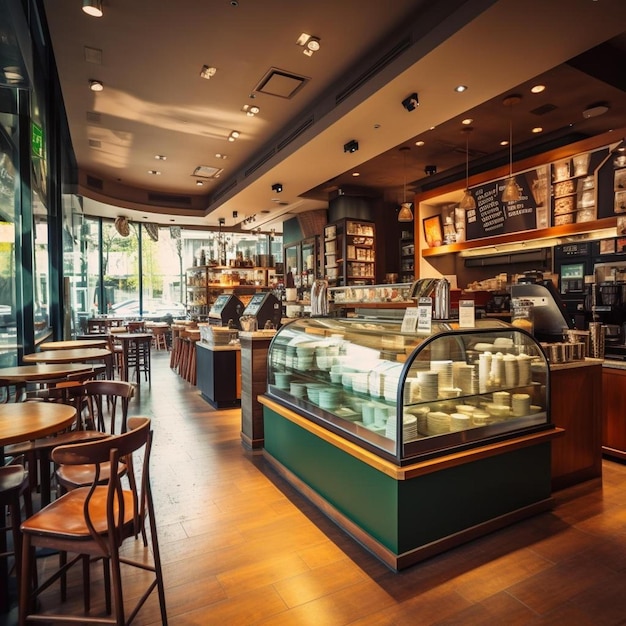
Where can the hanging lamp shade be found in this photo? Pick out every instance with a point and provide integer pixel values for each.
(467, 202)
(406, 213)
(511, 191)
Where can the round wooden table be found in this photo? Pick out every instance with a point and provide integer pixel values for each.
(75, 344)
(24, 421)
(41, 371)
(74, 355)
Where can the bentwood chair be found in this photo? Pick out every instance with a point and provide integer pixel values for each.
(94, 522)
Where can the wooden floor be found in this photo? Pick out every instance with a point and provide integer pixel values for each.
(240, 546)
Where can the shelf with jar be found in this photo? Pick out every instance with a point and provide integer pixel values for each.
(350, 252)
(407, 257)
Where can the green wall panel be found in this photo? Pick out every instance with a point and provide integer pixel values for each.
(361, 493)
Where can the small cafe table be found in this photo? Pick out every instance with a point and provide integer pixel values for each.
(74, 355)
(22, 374)
(131, 345)
(24, 421)
(75, 344)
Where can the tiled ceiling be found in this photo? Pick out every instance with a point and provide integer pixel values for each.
(372, 55)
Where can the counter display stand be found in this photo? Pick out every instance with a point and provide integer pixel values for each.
(218, 374)
(412, 444)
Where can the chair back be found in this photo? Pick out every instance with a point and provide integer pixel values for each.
(136, 327)
(126, 508)
(103, 398)
(5, 391)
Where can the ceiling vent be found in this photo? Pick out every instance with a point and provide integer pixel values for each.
(207, 171)
(295, 133)
(169, 200)
(281, 83)
(223, 191)
(543, 109)
(95, 183)
(93, 55)
(259, 162)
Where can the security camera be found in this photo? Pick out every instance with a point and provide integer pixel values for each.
(351, 146)
(277, 187)
(431, 170)
(410, 103)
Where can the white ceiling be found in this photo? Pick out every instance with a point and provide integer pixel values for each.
(154, 101)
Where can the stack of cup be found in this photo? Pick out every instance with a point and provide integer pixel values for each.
(520, 404)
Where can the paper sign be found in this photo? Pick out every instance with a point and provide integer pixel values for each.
(424, 315)
(409, 321)
(467, 318)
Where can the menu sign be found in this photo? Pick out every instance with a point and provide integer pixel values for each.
(494, 217)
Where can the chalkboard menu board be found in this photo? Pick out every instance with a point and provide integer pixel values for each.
(493, 217)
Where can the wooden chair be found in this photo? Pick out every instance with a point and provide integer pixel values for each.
(159, 340)
(15, 490)
(94, 522)
(5, 391)
(136, 327)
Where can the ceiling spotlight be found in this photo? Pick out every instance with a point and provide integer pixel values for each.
(154, 172)
(207, 72)
(96, 85)
(430, 170)
(233, 135)
(537, 88)
(250, 110)
(467, 121)
(411, 102)
(199, 183)
(310, 43)
(351, 146)
(420, 143)
(93, 7)
(277, 187)
(460, 88)
(235, 215)
(160, 157)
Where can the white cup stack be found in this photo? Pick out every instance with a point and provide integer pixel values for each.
(520, 404)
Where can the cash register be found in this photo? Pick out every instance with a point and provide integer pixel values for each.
(226, 307)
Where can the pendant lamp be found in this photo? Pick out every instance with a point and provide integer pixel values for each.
(468, 202)
(405, 214)
(511, 191)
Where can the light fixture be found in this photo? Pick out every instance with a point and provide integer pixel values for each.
(207, 72)
(233, 135)
(467, 121)
(154, 172)
(351, 146)
(460, 88)
(93, 7)
(405, 214)
(199, 183)
(537, 88)
(277, 187)
(467, 202)
(250, 110)
(420, 143)
(96, 85)
(160, 157)
(511, 192)
(310, 43)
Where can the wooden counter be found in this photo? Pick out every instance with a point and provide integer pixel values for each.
(614, 409)
(218, 374)
(576, 407)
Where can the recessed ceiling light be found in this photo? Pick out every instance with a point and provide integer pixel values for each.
(207, 72)
(199, 183)
(432, 128)
(219, 155)
(537, 88)
(356, 173)
(467, 121)
(537, 129)
(420, 143)
(96, 85)
(460, 88)
(250, 110)
(504, 142)
(154, 172)
(160, 157)
(233, 135)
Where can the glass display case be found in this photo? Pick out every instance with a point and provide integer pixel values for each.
(406, 396)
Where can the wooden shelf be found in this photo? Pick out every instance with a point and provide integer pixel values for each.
(542, 233)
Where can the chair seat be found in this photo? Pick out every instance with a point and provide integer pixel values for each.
(72, 476)
(12, 478)
(65, 516)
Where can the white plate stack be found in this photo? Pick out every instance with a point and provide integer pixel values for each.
(444, 369)
(409, 428)
(438, 423)
(465, 378)
(429, 385)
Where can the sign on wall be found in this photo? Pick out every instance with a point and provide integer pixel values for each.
(493, 217)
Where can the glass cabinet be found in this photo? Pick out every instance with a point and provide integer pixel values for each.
(406, 396)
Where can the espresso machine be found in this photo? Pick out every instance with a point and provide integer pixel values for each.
(609, 306)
